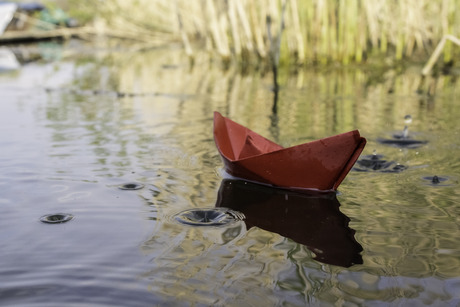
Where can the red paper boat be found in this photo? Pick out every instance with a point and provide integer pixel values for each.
(318, 165)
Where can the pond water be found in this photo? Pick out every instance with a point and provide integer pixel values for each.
(81, 121)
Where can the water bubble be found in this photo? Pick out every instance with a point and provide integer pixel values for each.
(208, 216)
(56, 218)
(131, 186)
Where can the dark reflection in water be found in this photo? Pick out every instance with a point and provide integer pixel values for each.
(312, 220)
(402, 142)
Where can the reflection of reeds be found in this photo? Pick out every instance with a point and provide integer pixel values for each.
(317, 103)
(315, 31)
(177, 122)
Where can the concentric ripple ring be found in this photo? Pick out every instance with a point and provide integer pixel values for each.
(208, 216)
(56, 218)
(131, 186)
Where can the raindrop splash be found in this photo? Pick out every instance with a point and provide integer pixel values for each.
(402, 139)
(56, 218)
(376, 162)
(436, 180)
(131, 186)
(208, 216)
(407, 122)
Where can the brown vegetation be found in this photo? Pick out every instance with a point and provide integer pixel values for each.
(317, 31)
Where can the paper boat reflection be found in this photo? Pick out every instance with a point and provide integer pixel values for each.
(312, 220)
(318, 165)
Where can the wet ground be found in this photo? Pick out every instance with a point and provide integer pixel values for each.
(102, 150)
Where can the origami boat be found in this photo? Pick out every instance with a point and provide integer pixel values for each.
(319, 165)
(313, 220)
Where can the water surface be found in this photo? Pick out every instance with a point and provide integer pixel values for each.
(73, 129)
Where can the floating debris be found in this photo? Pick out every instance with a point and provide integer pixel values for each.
(403, 140)
(131, 186)
(208, 216)
(436, 180)
(376, 162)
(56, 218)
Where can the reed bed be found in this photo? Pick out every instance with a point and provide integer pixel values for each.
(293, 31)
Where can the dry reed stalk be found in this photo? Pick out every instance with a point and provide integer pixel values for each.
(297, 32)
(371, 9)
(306, 12)
(333, 43)
(437, 52)
(334, 30)
(446, 29)
(123, 15)
(323, 25)
(352, 20)
(258, 34)
(409, 31)
(417, 34)
(316, 24)
(383, 29)
(186, 42)
(360, 39)
(206, 32)
(245, 24)
(401, 35)
(343, 33)
(234, 27)
(215, 29)
(223, 26)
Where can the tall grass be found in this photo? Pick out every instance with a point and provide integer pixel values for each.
(315, 31)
